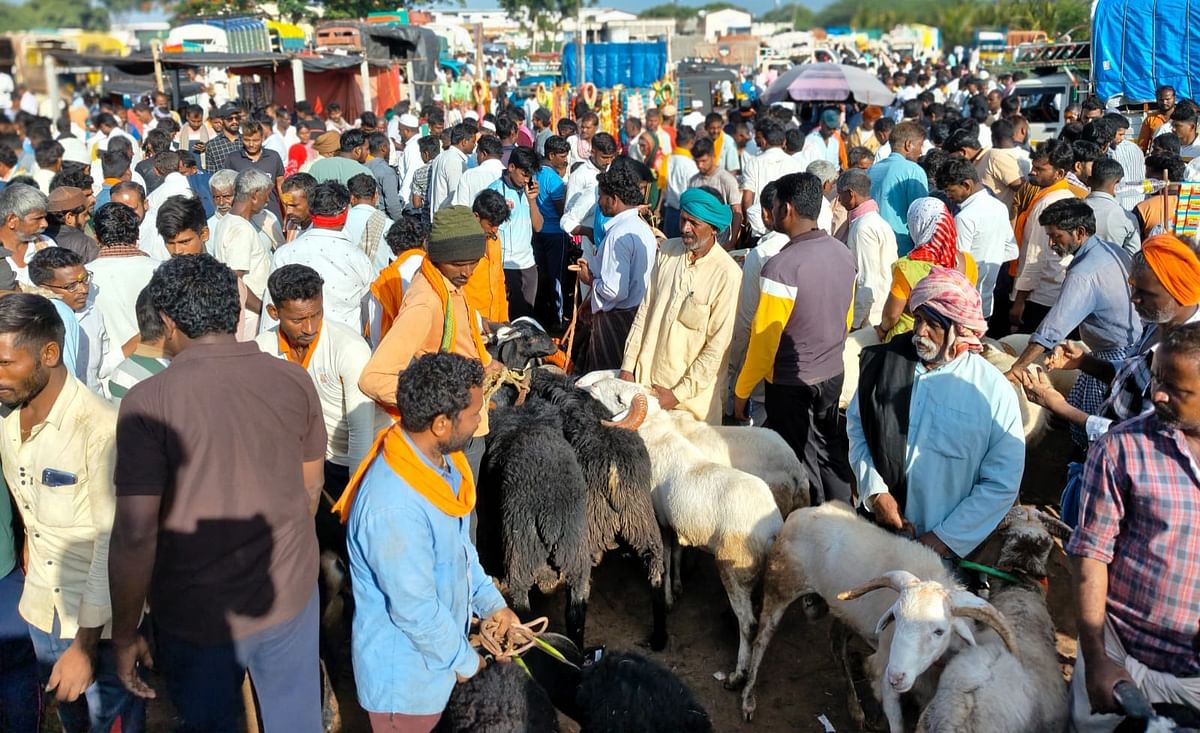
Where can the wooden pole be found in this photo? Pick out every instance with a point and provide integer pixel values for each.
(156, 52)
(364, 71)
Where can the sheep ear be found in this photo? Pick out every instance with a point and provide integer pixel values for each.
(504, 333)
(1056, 527)
(963, 629)
(888, 617)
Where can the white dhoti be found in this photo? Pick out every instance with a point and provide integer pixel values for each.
(1158, 687)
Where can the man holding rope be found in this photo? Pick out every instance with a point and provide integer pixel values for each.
(408, 511)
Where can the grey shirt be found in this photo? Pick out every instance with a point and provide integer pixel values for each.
(1114, 223)
(1094, 297)
(721, 181)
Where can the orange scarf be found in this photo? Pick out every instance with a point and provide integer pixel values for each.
(1023, 218)
(388, 289)
(286, 349)
(434, 276)
(402, 458)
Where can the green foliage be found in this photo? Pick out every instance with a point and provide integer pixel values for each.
(53, 14)
(958, 19)
(684, 12)
(800, 16)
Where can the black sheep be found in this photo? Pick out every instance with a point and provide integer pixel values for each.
(500, 699)
(628, 693)
(616, 467)
(532, 518)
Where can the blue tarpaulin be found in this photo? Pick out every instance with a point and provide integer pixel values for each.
(1139, 45)
(609, 64)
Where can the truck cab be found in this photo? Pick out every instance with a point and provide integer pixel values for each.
(1044, 102)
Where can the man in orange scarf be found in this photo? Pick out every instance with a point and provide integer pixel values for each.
(408, 510)
(406, 239)
(435, 315)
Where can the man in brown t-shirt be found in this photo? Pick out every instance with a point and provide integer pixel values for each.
(219, 465)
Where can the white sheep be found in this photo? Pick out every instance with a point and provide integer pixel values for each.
(985, 689)
(1062, 379)
(829, 549)
(758, 451)
(700, 503)
(1034, 418)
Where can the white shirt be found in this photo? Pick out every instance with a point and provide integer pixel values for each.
(75, 150)
(175, 184)
(407, 270)
(243, 247)
(214, 222)
(873, 244)
(444, 176)
(409, 163)
(475, 180)
(694, 119)
(276, 142)
(98, 355)
(769, 165)
(885, 150)
(680, 170)
(581, 199)
(356, 226)
(984, 231)
(343, 266)
(117, 282)
(335, 363)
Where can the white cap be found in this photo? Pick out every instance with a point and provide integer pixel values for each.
(488, 125)
(409, 120)
(470, 115)
(437, 97)
(697, 104)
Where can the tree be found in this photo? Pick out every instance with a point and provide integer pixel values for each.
(800, 16)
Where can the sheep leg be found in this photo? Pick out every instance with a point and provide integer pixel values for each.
(577, 602)
(738, 583)
(658, 600)
(776, 599)
(839, 641)
(677, 561)
(669, 542)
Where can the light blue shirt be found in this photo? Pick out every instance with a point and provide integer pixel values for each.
(1094, 297)
(516, 234)
(71, 334)
(896, 182)
(626, 259)
(417, 581)
(965, 452)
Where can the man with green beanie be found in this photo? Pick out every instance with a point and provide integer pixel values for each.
(435, 315)
(679, 342)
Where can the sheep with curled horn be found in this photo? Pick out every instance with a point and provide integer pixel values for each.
(988, 689)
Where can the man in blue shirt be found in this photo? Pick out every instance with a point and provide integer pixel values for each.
(1094, 297)
(416, 575)
(550, 244)
(520, 188)
(897, 181)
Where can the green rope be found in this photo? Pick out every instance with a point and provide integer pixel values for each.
(989, 570)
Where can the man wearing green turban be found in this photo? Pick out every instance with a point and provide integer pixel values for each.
(679, 342)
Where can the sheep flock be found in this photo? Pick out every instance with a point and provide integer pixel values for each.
(581, 467)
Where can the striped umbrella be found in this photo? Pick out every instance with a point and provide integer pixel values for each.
(828, 83)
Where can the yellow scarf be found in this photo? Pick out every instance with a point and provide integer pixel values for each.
(402, 458)
(434, 276)
(717, 144)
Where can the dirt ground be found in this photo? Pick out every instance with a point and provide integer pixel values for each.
(799, 680)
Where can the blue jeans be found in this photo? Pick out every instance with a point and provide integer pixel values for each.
(549, 251)
(104, 701)
(205, 681)
(20, 700)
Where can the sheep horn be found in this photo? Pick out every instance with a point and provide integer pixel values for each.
(897, 580)
(1055, 526)
(634, 416)
(981, 610)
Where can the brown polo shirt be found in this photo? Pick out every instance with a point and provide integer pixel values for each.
(221, 436)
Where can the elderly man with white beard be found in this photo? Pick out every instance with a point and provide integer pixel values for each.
(935, 433)
(679, 342)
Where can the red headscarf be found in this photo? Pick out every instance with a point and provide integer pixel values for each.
(933, 232)
(297, 157)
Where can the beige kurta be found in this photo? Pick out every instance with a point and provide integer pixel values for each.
(681, 334)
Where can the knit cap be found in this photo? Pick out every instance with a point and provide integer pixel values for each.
(456, 236)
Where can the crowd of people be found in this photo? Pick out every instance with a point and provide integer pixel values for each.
(218, 322)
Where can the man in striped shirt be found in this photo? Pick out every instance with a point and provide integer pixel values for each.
(147, 358)
(1137, 577)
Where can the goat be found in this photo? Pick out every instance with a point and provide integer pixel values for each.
(729, 513)
(829, 548)
(986, 689)
(501, 698)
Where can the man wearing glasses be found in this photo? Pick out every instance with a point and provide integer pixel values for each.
(62, 276)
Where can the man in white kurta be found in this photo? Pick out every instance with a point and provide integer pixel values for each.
(679, 342)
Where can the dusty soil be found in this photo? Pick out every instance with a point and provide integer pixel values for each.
(799, 680)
